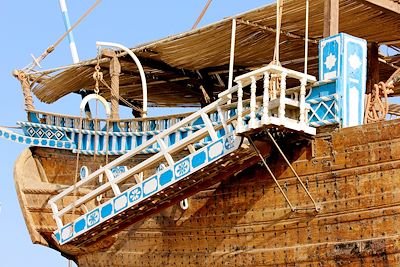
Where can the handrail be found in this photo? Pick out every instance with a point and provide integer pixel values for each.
(208, 130)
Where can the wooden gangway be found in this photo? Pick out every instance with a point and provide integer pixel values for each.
(180, 170)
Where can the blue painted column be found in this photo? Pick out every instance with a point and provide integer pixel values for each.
(344, 57)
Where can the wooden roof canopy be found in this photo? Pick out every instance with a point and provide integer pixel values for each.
(178, 66)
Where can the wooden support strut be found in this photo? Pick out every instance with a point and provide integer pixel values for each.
(293, 208)
(26, 89)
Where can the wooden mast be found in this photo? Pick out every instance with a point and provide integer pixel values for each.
(115, 71)
(331, 17)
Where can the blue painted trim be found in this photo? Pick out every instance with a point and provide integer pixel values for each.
(158, 182)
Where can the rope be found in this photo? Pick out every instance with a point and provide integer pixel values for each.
(52, 47)
(377, 108)
(279, 9)
(123, 100)
(201, 15)
(26, 89)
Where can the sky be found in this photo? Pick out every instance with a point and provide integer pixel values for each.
(29, 27)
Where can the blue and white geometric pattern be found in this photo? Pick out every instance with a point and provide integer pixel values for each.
(182, 168)
(118, 170)
(93, 142)
(27, 140)
(135, 194)
(153, 185)
(93, 218)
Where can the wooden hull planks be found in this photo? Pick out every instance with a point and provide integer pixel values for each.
(244, 220)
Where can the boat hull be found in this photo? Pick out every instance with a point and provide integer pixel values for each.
(352, 173)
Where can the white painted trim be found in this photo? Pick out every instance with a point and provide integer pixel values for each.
(87, 98)
(140, 68)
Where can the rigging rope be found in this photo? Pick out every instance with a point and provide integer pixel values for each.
(279, 8)
(51, 48)
(201, 15)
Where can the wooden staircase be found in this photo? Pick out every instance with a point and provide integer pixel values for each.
(145, 189)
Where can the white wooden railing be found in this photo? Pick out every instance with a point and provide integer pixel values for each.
(278, 105)
(158, 123)
(167, 154)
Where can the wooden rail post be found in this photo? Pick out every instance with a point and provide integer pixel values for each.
(282, 96)
(265, 116)
(253, 103)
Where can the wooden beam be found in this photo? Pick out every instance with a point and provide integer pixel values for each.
(373, 66)
(331, 17)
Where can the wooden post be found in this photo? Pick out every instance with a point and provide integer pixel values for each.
(253, 103)
(331, 17)
(373, 66)
(240, 126)
(302, 104)
(26, 89)
(115, 70)
(282, 96)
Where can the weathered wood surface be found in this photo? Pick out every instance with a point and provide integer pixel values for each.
(353, 174)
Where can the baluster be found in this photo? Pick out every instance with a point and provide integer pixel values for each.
(281, 110)
(240, 126)
(302, 105)
(223, 119)
(274, 83)
(265, 116)
(253, 89)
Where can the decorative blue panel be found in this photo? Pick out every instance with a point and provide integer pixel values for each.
(93, 218)
(80, 225)
(344, 57)
(147, 188)
(199, 159)
(57, 236)
(182, 168)
(135, 194)
(106, 210)
(166, 177)
(118, 170)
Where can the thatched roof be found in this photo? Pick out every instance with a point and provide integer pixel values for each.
(176, 66)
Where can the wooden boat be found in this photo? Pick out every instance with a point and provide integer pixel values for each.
(281, 168)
